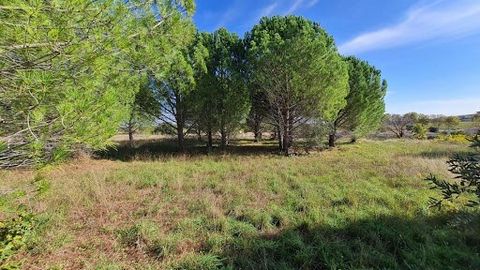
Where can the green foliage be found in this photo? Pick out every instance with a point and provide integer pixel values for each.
(175, 91)
(14, 235)
(420, 131)
(466, 169)
(199, 262)
(71, 69)
(144, 110)
(365, 101)
(454, 138)
(296, 64)
(222, 97)
(255, 211)
(452, 122)
(476, 119)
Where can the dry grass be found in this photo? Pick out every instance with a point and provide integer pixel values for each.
(206, 212)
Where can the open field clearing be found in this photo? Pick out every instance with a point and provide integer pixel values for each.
(361, 206)
(222, 135)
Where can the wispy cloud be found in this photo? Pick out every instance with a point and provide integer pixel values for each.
(443, 19)
(268, 10)
(295, 6)
(231, 14)
(312, 3)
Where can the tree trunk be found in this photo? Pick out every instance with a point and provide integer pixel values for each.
(180, 137)
(287, 133)
(180, 122)
(332, 137)
(224, 139)
(280, 139)
(199, 134)
(210, 140)
(286, 145)
(258, 136)
(130, 137)
(332, 140)
(130, 131)
(257, 131)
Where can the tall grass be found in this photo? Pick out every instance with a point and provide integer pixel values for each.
(362, 206)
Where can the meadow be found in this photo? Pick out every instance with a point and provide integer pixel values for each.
(360, 206)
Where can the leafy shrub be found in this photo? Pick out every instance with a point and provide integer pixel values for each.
(454, 138)
(467, 171)
(420, 131)
(14, 234)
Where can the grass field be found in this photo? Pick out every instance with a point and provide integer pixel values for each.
(361, 206)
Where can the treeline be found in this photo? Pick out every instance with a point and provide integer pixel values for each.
(73, 72)
(420, 124)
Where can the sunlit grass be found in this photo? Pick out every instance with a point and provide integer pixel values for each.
(360, 206)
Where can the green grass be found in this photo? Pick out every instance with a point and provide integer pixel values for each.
(362, 206)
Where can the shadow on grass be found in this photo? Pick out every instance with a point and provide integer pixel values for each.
(442, 242)
(436, 154)
(165, 148)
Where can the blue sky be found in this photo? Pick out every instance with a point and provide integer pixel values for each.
(429, 51)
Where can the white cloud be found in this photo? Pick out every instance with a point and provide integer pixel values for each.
(268, 10)
(439, 20)
(295, 6)
(313, 3)
(446, 107)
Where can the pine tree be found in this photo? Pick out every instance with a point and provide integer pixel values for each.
(297, 66)
(69, 70)
(466, 168)
(365, 107)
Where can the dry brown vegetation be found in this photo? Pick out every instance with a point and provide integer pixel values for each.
(224, 210)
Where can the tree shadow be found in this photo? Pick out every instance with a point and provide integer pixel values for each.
(386, 242)
(154, 149)
(437, 154)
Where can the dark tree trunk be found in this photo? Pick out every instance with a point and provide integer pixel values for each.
(332, 137)
(224, 139)
(131, 130)
(130, 137)
(332, 140)
(180, 122)
(210, 140)
(180, 137)
(258, 137)
(286, 133)
(280, 139)
(258, 130)
(286, 145)
(199, 134)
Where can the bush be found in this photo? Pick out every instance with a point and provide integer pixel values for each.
(466, 168)
(14, 234)
(165, 129)
(420, 131)
(454, 138)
